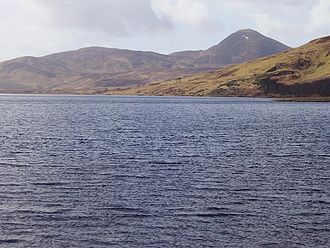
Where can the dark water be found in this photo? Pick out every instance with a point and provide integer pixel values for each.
(163, 172)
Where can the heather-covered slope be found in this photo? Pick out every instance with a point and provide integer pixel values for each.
(94, 69)
(304, 71)
(82, 66)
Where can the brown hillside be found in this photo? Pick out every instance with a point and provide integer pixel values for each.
(95, 69)
(304, 71)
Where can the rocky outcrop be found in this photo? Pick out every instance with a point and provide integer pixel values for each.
(317, 87)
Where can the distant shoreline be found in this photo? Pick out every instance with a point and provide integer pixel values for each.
(275, 99)
(303, 99)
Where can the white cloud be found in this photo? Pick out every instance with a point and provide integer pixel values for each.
(266, 23)
(36, 27)
(291, 21)
(117, 18)
(190, 12)
(320, 15)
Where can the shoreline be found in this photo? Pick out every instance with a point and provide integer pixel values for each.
(129, 95)
(271, 97)
(302, 99)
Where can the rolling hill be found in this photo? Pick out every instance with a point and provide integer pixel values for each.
(303, 71)
(95, 69)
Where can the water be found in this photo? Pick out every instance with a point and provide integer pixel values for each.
(93, 171)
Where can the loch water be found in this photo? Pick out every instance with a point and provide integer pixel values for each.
(110, 171)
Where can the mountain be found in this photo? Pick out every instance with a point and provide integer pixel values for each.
(239, 47)
(303, 71)
(83, 65)
(94, 69)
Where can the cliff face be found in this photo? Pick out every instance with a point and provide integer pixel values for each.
(317, 87)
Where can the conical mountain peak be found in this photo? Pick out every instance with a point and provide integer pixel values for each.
(242, 46)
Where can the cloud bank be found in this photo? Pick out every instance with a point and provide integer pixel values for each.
(38, 27)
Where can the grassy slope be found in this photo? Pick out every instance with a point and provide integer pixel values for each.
(94, 69)
(304, 64)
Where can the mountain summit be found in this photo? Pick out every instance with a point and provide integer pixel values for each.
(94, 69)
(241, 46)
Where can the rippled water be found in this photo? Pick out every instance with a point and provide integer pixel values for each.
(93, 171)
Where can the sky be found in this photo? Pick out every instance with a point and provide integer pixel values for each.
(40, 27)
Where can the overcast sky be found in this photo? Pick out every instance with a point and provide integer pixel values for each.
(39, 27)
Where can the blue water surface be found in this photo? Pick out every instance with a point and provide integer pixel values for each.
(101, 171)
